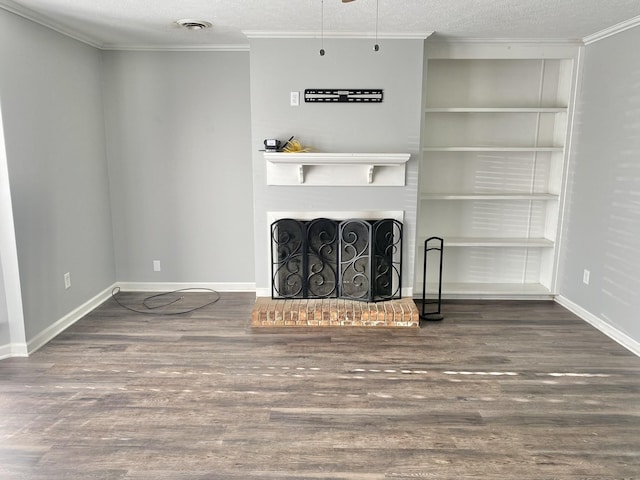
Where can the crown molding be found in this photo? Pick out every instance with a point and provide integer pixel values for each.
(613, 30)
(342, 35)
(176, 48)
(29, 14)
(35, 17)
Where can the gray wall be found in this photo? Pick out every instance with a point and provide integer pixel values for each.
(603, 211)
(280, 66)
(5, 334)
(12, 336)
(178, 137)
(6, 218)
(52, 110)
(178, 183)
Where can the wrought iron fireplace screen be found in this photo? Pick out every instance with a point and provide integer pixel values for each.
(355, 259)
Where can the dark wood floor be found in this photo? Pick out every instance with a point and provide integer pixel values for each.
(498, 390)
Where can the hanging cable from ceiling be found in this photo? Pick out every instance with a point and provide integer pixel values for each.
(322, 29)
(376, 47)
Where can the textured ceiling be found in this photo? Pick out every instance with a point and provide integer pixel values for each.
(151, 23)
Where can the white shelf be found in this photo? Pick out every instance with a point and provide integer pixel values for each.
(323, 158)
(495, 110)
(490, 290)
(491, 149)
(488, 196)
(497, 242)
(336, 169)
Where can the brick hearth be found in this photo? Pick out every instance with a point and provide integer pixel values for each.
(334, 312)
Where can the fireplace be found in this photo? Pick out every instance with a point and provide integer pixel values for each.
(355, 259)
(338, 187)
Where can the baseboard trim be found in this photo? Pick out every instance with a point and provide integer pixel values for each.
(69, 319)
(622, 338)
(487, 296)
(24, 350)
(171, 286)
(263, 292)
(42, 338)
(13, 350)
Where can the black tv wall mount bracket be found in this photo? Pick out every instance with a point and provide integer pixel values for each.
(343, 95)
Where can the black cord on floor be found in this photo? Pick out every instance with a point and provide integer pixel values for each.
(116, 290)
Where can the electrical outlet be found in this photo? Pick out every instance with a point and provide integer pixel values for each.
(156, 265)
(585, 276)
(67, 281)
(295, 99)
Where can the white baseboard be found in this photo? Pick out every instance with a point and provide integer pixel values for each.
(24, 350)
(69, 319)
(622, 338)
(263, 292)
(13, 350)
(171, 286)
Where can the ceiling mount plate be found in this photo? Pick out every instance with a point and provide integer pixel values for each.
(343, 95)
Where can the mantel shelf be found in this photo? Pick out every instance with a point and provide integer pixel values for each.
(336, 169)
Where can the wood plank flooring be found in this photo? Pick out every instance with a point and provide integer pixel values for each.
(498, 390)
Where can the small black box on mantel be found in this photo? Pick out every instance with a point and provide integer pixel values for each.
(272, 145)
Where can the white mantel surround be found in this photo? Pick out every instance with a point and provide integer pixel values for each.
(407, 291)
(336, 169)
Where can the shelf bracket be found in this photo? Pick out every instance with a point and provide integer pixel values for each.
(301, 174)
(370, 174)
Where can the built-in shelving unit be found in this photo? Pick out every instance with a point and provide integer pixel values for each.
(492, 173)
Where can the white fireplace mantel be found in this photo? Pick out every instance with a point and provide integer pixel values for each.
(336, 169)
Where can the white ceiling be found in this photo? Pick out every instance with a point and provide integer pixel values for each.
(151, 23)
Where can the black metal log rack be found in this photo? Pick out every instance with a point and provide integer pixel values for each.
(431, 308)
